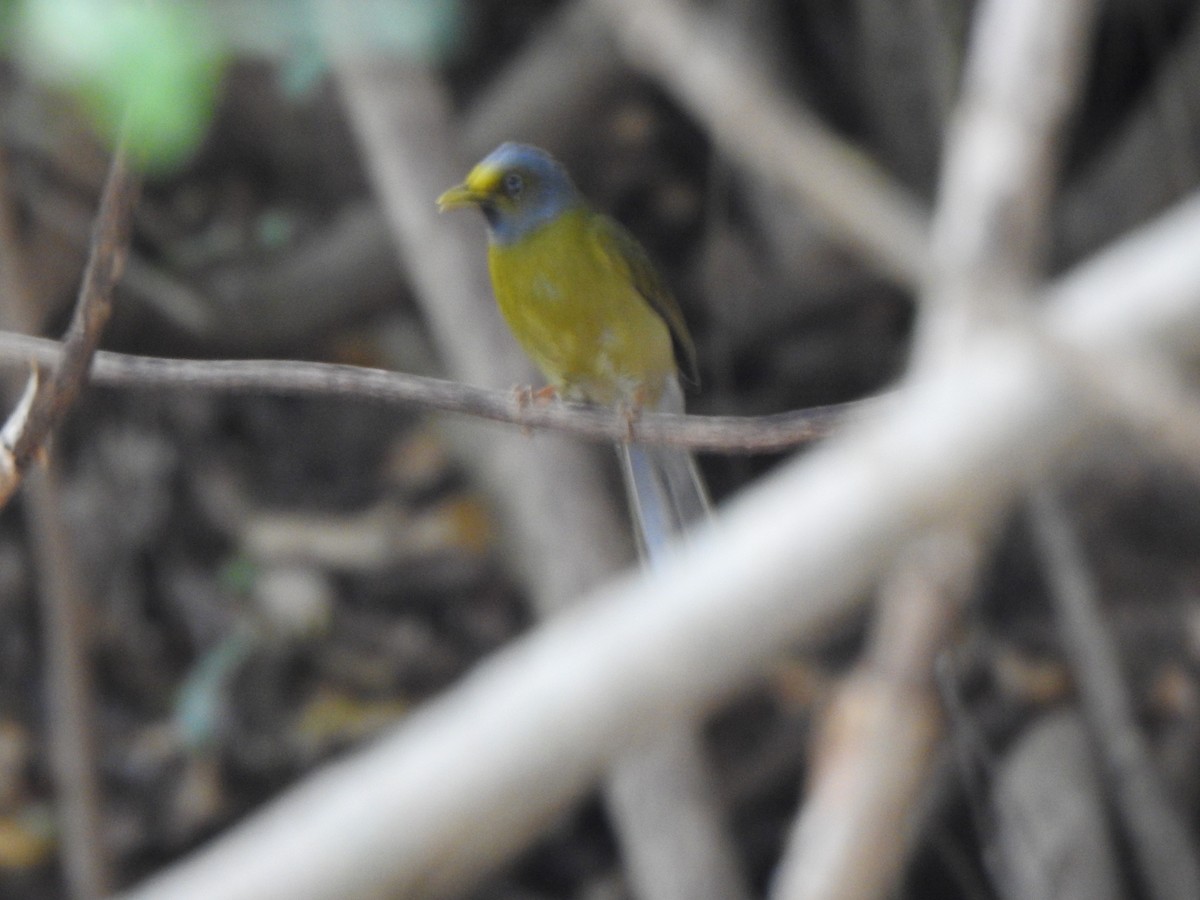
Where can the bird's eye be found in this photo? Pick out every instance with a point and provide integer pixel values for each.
(513, 184)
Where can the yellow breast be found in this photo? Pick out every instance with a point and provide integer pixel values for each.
(575, 312)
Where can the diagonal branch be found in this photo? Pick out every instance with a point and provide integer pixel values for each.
(61, 590)
(991, 224)
(110, 244)
(880, 732)
(750, 119)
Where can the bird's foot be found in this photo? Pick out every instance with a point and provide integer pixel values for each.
(526, 396)
(630, 411)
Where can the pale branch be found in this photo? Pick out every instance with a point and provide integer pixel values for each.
(1045, 814)
(756, 124)
(1023, 73)
(880, 732)
(716, 434)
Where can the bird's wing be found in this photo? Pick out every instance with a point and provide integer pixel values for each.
(625, 254)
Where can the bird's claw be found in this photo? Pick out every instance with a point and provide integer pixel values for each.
(526, 396)
(630, 413)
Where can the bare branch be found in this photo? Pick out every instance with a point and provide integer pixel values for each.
(879, 736)
(110, 244)
(785, 143)
(720, 434)
(67, 645)
(62, 597)
(849, 839)
(991, 222)
(1051, 834)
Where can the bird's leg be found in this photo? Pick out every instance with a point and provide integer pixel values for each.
(631, 410)
(526, 396)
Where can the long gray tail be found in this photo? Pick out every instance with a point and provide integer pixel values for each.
(666, 495)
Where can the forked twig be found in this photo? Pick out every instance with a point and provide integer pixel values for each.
(93, 307)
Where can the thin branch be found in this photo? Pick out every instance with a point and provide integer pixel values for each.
(718, 434)
(750, 118)
(426, 810)
(878, 738)
(110, 244)
(1149, 396)
(62, 601)
(1159, 836)
(70, 694)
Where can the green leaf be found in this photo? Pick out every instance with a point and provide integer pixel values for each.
(152, 68)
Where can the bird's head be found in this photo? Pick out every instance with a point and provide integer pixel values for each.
(519, 188)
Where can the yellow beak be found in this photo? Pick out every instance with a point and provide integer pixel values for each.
(459, 197)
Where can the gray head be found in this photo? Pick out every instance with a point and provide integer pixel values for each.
(518, 187)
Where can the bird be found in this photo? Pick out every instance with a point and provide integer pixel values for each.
(586, 304)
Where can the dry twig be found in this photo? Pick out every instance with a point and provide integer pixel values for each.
(718, 434)
(110, 244)
(66, 641)
(991, 224)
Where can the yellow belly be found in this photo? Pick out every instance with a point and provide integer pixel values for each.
(579, 318)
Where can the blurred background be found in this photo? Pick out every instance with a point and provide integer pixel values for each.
(268, 581)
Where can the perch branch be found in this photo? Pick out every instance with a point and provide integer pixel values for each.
(720, 434)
